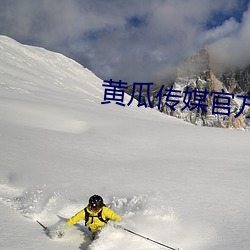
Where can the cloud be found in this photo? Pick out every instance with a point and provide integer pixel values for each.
(131, 40)
(228, 28)
(232, 50)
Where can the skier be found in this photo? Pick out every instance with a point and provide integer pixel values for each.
(95, 214)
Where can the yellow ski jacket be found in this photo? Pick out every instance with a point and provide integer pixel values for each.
(94, 223)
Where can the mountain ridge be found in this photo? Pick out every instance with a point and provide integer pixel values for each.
(199, 72)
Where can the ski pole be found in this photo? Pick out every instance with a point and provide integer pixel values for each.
(146, 238)
(45, 228)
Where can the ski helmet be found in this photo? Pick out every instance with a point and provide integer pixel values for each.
(95, 202)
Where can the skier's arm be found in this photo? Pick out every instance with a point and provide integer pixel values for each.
(110, 214)
(77, 217)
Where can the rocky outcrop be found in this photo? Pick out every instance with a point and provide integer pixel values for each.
(197, 75)
(236, 80)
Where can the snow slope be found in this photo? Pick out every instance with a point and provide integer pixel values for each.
(179, 184)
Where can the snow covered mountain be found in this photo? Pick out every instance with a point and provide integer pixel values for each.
(200, 73)
(182, 185)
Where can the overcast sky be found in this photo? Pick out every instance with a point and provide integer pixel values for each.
(131, 40)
